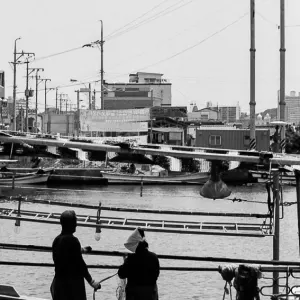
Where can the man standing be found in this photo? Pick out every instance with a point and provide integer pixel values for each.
(70, 268)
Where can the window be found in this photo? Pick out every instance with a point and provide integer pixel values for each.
(215, 140)
(246, 140)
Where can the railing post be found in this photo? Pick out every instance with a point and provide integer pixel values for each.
(13, 181)
(276, 237)
(297, 175)
(142, 183)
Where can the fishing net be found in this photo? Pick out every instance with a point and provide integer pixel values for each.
(120, 291)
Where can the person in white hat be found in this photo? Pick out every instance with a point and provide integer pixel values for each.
(140, 268)
(70, 268)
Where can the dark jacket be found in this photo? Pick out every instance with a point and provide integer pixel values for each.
(70, 269)
(141, 270)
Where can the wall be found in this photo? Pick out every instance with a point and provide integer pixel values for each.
(128, 103)
(59, 123)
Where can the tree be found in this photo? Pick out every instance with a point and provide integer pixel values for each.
(162, 161)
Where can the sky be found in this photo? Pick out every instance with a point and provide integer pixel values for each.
(201, 46)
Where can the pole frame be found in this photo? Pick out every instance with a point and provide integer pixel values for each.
(102, 71)
(282, 50)
(252, 75)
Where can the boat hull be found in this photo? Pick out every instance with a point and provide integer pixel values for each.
(23, 180)
(118, 178)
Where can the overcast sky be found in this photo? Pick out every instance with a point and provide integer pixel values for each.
(201, 46)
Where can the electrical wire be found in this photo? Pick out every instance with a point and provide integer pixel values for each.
(144, 14)
(152, 18)
(56, 54)
(195, 45)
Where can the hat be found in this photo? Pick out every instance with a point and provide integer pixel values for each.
(133, 240)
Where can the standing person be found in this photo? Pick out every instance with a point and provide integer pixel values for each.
(70, 268)
(140, 268)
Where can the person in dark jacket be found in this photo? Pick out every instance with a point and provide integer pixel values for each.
(70, 268)
(140, 268)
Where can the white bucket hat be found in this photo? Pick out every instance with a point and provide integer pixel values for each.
(133, 240)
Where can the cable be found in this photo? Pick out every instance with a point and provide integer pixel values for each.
(152, 18)
(153, 8)
(55, 54)
(195, 45)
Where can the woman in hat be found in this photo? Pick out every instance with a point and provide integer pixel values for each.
(70, 268)
(140, 268)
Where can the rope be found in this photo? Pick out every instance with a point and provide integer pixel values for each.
(102, 280)
(137, 210)
(160, 256)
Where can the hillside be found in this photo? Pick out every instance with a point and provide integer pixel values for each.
(271, 111)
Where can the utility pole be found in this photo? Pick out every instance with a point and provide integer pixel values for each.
(45, 80)
(15, 84)
(36, 95)
(56, 99)
(252, 103)
(66, 105)
(15, 62)
(90, 96)
(276, 183)
(94, 104)
(101, 45)
(78, 113)
(282, 73)
(28, 93)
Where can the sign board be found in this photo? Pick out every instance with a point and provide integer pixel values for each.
(123, 115)
(115, 127)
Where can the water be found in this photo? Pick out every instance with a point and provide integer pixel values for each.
(35, 282)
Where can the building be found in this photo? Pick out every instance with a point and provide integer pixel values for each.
(229, 114)
(144, 90)
(204, 114)
(231, 138)
(292, 108)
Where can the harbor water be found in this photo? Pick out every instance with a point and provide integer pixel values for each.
(33, 281)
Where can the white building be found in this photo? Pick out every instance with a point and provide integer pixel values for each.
(144, 90)
(292, 108)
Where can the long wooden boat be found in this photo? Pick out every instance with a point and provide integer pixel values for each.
(9, 292)
(124, 178)
(28, 178)
(263, 176)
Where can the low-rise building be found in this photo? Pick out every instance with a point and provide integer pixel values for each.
(204, 114)
(144, 90)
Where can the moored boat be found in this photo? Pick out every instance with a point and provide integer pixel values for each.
(123, 178)
(27, 178)
(9, 292)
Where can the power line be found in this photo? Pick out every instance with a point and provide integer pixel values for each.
(58, 53)
(197, 44)
(144, 14)
(151, 18)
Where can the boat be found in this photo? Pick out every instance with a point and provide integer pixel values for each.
(148, 174)
(9, 178)
(287, 178)
(9, 292)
